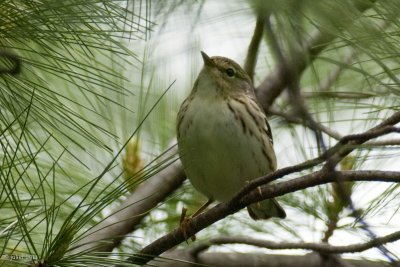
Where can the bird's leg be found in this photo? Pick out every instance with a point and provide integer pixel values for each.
(185, 220)
(202, 208)
(259, 191)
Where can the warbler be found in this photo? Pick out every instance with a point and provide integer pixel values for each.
(224, 139)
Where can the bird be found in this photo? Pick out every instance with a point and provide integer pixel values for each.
(224, 138)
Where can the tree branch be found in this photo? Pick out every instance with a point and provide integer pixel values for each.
(297, 120)
(252, 52)
(182, 258)
(290, 118)
(274, 83)
(109, 233)
(334, 154)
(317, 247)
(273, 190)
(249, 195)
(222, 210)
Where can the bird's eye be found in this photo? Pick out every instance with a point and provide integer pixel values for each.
(230, 72)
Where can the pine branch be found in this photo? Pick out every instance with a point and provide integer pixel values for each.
(274, 83)
(183, 258)
(108, 234)
(317, 247)
(252, 52)
(251, 193)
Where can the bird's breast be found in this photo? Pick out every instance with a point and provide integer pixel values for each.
(217, 154)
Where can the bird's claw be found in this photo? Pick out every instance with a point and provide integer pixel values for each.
(183, 225)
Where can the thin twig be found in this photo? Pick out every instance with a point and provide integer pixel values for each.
(181, 258)
(317, 247)
(291, 118)
(325, 85)
(334, 154)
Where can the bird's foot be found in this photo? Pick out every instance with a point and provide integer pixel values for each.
(183, 225)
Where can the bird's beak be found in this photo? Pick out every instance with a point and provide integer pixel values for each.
(207, 60)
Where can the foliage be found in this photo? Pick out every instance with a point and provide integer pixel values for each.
(82, 80)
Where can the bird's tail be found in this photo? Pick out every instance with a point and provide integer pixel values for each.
(266, 209)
